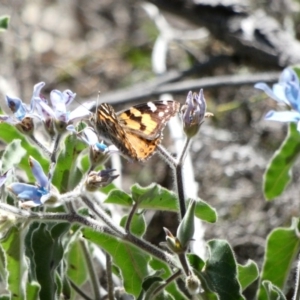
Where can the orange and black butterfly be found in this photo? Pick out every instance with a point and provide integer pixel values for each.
(136, 132)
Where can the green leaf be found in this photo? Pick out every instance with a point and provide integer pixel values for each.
(278, 173)
(196, 262)
(220, 273)
(119, 197)
(32, 290)
(282, 247)
(132, 262)
(16, 266)
(48, 253)
(66, 175)
(247, 274)
(205, 212)
(156, 197)
(137, 224)
(9, 133)
(4, 21)
(77, 269)
(12, 155)
(272, 291)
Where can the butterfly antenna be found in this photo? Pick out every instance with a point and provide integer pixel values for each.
(98, 99)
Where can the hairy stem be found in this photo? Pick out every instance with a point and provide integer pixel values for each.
(33, 138)
(168, 281)
(110, 285)
(297, 284)
(91, 269)
(55, 146)
(130, 216)
(79, 291)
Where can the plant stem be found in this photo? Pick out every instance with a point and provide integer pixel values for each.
(179, 177)
(177, 166)
(79, 291)
(114, 231)
(33, 138)
(103, 216)
(110, 286)
(91, 269)
(297, 285)
(55, 146)
(170, 160)
(130, 216)
(168, 281)
(184, 264)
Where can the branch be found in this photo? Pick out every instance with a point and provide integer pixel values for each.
(142, 91)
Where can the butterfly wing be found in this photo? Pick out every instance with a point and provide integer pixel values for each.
(107, 125)
(148, 119)
(136, 132)
(143, 148)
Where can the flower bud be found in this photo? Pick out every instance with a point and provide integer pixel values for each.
(193, 284)
(186, 228)
(96, 180)
(193, 113)
(172, 242)
(26, 126)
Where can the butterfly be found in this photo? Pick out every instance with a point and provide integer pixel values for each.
(136, 132)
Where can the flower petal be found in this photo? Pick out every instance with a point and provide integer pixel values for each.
(25, 191)
(68, 97)
(36, 94)
(283, 116)
(38, 173)
(79, 113)
(269, 92)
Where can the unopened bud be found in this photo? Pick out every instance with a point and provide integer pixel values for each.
(193, 284)
(193, 113)
(186, 228)
(26, 126)
(96, 180)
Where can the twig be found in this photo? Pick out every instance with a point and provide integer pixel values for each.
(159, 86)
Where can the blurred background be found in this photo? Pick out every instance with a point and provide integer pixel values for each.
(118, 48)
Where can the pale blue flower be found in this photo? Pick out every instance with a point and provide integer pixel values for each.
(286, 91)
(99, 152)
(59, 110)
(21, 109)
(35, 195)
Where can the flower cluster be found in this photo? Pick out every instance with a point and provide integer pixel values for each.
(57, 119)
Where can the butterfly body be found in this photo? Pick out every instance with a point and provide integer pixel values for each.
(136, 132)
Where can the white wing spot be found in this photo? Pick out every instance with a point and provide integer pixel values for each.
(161, 114)
(152, 106)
